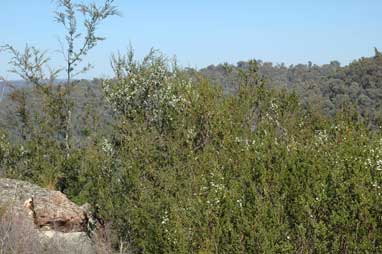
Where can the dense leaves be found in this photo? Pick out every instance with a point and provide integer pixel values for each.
(252, 171)
(252, 158)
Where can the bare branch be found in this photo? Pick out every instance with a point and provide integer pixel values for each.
(93, 15)
(28, 64)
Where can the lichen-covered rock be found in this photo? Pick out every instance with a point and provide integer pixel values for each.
(37, 213)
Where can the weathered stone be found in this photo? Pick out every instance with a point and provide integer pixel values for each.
(47, 215)
(75, 242)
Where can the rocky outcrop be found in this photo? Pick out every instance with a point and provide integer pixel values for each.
(48, 217)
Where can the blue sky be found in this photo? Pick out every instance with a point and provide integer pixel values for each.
(203, 32)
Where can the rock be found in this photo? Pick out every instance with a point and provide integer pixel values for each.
(75, 242)
(48, 217)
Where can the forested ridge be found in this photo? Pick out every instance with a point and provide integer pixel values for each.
(331, 86)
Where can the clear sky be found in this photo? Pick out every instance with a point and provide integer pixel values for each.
(203, 32)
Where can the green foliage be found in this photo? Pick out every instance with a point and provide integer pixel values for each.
(148, 89)
(44, 123)
(184, 164)
(330, 86)
(245, 172)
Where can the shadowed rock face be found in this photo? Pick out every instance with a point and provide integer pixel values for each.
(57, 212)
(50, 215)
(52, 210)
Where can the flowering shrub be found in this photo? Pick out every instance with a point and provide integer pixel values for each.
(187, 168)
(149, 89)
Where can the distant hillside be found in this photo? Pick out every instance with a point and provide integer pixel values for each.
(329, 86)
(87, 95)
(7, 86)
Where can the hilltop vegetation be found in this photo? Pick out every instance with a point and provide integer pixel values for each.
(330, 86)
(184, 167)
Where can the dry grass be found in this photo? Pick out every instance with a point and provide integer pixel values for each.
(17, 235)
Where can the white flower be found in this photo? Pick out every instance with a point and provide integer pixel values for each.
(379, 165)
(321, 137)
(375, 185)
(368, 162)
(165, 218)
(107, 147)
